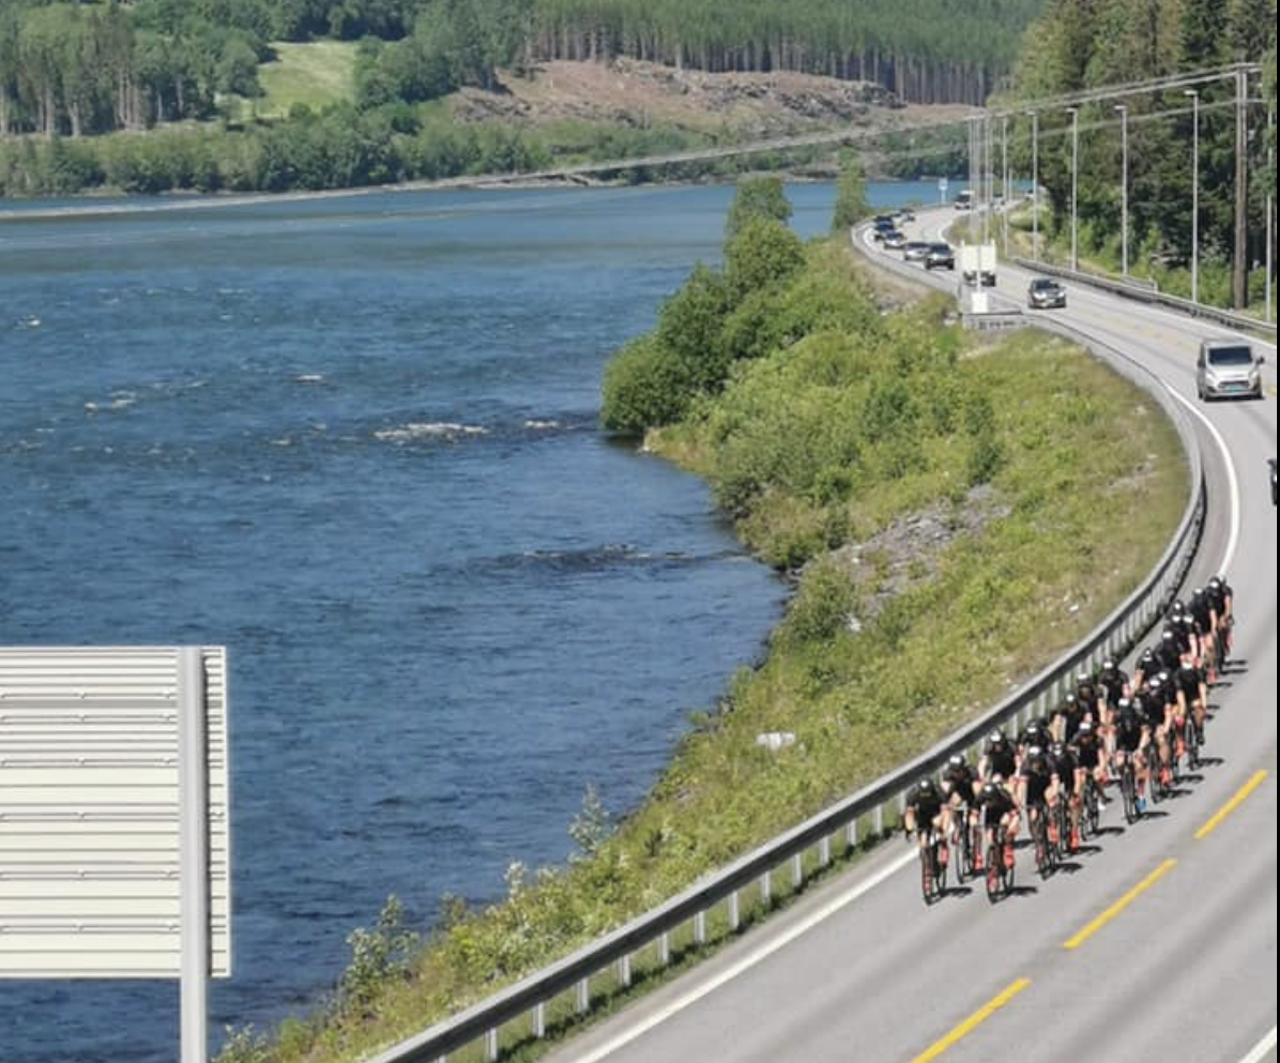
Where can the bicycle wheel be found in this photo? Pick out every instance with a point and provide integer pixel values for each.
(1193, 745)
(1129, 791)
(1006, 872)
(926, 873)
(941, 858)
(994, 876)
(1093, 814)
(1040, 834)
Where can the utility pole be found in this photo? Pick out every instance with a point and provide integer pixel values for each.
(1075, 188)
(1004, 179)
(1195, 192)
(1271, 198)
(1123, 110)
(1035, 185)
(1240, 265)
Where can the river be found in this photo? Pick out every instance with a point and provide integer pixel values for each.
(355, 441)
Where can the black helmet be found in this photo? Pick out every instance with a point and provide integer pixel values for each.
(1148, 654)
(997, 737)
(990, 789)
(956, 760)
(925, 784)
(1034, 752)
(1108, 665)
(1124, 703)
(1197, 594)
(1058, 749)
(1086, 727)
(1216, 583)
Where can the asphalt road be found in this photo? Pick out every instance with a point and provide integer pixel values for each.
(1171, 923)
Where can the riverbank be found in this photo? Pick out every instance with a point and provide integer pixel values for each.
(928, 492)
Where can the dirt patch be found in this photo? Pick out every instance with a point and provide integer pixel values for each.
(639, 94)
(910, 549)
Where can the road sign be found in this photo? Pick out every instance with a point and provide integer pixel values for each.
(114, 826)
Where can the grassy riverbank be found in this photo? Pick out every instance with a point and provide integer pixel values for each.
(954, 512)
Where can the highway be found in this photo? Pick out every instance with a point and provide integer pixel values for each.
(1157, 943)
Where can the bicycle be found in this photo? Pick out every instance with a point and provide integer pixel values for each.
(933, 866)
(1062, 821)
(1129, 789)
(1045, 851)
(1090, 811)
(1000, 868)
(1191, 737)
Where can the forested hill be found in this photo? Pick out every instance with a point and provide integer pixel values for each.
(102, 65)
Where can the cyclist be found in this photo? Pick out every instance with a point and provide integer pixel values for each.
(960, 790)
(1035, 734)
(1168, 651)
(1193, 696)
(1203, 613)
(1114, 683)
(1132, 739)
(999, 759)
(1222, 599)
(1068, 785)
(1145, 668)
(1091, 758)
(1035, 785)
(1067, 720)
(1153, 710)
(925, 809)
(999, 812)
(1090, 694)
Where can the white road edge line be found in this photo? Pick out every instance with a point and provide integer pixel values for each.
(1233, 481)
(1261, 1049)
(747, 962)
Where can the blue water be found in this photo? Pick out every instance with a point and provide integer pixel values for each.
(355, 441)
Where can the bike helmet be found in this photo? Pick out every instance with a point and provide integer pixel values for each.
(1058, 749)
(996, 737)
(1035, 752)
(1197, 594)
(1148, 655)
(1086, 727)
(1084, 677)
(925, 785)
(1108, 665)
(1124, 703)
(990, 789)
(956, 760)
(1216, 583)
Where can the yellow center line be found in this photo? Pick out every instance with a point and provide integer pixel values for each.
(973, 1021)
(1120, 905)
(1258, 778)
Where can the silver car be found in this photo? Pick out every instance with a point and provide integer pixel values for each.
(1045, 293)
(914, 251)
(1228, 369)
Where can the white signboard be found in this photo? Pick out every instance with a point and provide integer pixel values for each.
(95, 771)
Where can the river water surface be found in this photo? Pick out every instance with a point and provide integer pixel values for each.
(355, 441)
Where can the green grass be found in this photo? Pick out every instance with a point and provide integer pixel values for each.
(315, 74)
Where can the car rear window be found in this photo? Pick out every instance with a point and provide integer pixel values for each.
(1229, 356)
(1042, 286)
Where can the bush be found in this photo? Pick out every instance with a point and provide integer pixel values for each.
(645, 385)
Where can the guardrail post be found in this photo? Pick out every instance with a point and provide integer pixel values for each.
(624, 972)
(664, 950)
(851, 834)
(797, 871)
(700, 928)
(877, 820)
(539, 1021)
(491, 1046)
(766, 887)
(824, 851)
(583, 993)
(734, 916)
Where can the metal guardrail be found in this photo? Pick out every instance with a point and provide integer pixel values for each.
(839, 825)
(1145, 294)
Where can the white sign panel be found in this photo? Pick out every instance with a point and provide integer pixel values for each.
(91, 852)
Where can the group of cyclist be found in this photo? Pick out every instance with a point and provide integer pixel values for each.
(1112, 724)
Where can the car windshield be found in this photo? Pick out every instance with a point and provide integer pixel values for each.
(1230, 356)
(1043, 285)
(940, 247)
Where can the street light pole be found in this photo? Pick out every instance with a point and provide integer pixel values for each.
(1195, 192)
(1123, 111)
(1075, 188)
(1035, 185)
(1004, 181)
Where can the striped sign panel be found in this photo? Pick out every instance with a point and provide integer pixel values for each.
(89, 813)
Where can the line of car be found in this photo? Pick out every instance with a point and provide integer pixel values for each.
(930, 254)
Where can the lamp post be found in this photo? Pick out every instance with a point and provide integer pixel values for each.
(1123, 111)
(1035, 184)
(1075, 188)
(1195, 192)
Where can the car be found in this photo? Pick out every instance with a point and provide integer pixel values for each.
(940, 256)
(883, 226)
(1272, 462)
(1228, 369)
(894, 240)
(904, 214)
(1045, 293)
(914, 251)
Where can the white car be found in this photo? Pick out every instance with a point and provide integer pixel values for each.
(1228, 369)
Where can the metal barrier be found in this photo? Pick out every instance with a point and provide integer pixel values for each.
(839, 826)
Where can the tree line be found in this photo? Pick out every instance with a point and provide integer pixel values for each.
(94, 67)
(1083, 44)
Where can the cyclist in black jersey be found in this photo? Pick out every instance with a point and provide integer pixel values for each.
(1034, 734)
(1153, 709)
(1070, 715)
(1168, 651)
(1035, 784)
(999, 759)
(1114, 683)
(1193, 696)
(1068, 783)
(1222, 599)
(1132, 741)
(999, 811)
(1091, 757)
(1206, 620)
(925, 808)
(960, 791)
(1145, 668)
